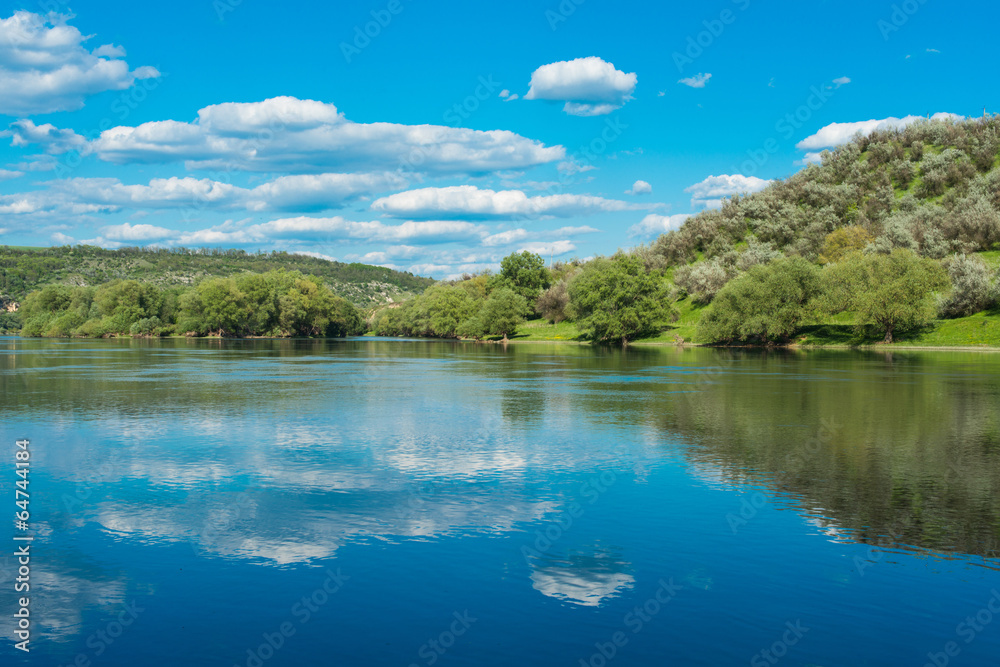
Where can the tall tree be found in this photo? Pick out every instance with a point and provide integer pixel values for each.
(892, 293)
(617, 300)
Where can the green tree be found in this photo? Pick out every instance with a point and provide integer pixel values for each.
(841, 242)
(893, 292)
(447, 307)
(123, 303)
(767, 303)
(500, 315)
(617, 300)
(223, 307)
(524, 273)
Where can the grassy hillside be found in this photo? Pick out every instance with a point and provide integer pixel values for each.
(23, 270)
(933, 187)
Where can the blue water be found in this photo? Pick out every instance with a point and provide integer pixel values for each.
(370, 502)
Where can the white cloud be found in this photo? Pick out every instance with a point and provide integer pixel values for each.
(588, 86)
(512, 236)
(654, 225)
(62, 239)
(696, 81)
(53, 140)
(709, 192)
(468, 201)
(548, 248)
(640, 188)
(507, 97)
(933, 51)
(836, 134)
(44, 66)
(842, 81)
(507, 237)
(140, 233)
(811, 158)
(289, 193)
(6, 174)
(288, 135)
(317, 255)
(572, 167)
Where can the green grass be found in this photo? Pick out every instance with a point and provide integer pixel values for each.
(992, 258)
(980, 330)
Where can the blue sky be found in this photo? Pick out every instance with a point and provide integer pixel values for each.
(437, 137)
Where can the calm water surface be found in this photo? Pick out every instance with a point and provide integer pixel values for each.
(375, 502)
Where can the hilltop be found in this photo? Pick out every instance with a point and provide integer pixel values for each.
(23, 270)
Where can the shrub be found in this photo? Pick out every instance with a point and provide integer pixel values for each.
(145, 327)
(843, 241)
(702, 281)
(767, 304)
(972, 287)
(553, 302)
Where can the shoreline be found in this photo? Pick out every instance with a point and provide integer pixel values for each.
(873, 347)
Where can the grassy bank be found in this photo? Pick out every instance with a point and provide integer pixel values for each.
(980, 330)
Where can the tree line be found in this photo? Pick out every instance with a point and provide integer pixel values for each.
(276, 303)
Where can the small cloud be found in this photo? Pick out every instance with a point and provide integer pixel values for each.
(571, 167)
(696, 81)
(770, 84)
(62, 239)
(661, 93)
(930, 51)
(6, 174)
(842, 81)
(640, 188)
(810, 158)
(588, 86)
(653, 224)
(507, 97)
(709, 192)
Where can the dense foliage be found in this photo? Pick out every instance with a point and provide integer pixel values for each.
(617, 300)
(25, 269)
(767, 304)
(892, 292)
(277, 303)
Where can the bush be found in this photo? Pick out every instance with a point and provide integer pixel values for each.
(702, 281)
(841, 242)
(145, 327)
(972, 287)
(553, 302)
(766, 304)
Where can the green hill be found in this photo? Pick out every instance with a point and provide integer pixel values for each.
(23, 270)
(933, 187)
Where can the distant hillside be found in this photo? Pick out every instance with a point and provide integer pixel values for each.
(25, 269)
(933, 187)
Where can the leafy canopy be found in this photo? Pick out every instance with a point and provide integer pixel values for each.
(617, 300)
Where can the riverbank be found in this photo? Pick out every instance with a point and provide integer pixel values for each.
(978, 332)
